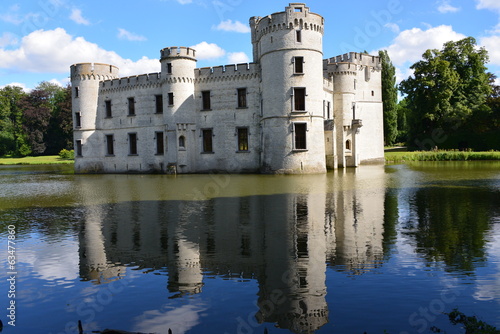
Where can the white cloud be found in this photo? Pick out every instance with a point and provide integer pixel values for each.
(129, 36)
(492, 45)
(76, 16)
(184, 2)
(7, 39)
(229, 25)
(488, 4)
(409, 45)
(17, 84)
(208, 51)
(444, 7)
(55, 50)
(237, 58)
(393, 27)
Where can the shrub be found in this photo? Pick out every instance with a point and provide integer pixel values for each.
(67, 154)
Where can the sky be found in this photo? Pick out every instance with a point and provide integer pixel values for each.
(41, 39)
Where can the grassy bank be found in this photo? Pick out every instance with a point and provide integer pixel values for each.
(396, 157)
(42, 160)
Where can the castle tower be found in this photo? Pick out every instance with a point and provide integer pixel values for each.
(85, 79)
(288, 46)
(178, 68)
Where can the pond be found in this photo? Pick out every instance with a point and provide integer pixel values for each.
(372, 249)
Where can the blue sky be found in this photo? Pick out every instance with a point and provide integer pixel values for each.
(40, 39)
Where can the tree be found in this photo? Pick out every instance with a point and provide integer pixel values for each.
(60, 132)
(36, 114)
(447, 88)
(13, 139)
(389, 98)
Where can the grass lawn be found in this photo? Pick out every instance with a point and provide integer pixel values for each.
(42, 160)
(397, 157)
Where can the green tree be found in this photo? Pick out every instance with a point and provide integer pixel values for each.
(447, 88)
(60, 131)
(36, 110)
(13, 139)
(389, 98)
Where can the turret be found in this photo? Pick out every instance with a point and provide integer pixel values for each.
(85, 80)
(288, 46)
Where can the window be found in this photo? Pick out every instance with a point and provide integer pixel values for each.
(182, 142)
(159, 104)
(76, 92)
(110, 150)
(132, 143)
(109, 113)
(298, 9)
(170, 99)
(207, 140)
(355, 84)
(78, 148)
(131, 106)
(242, 97)
(373, 93)
(242, 139)
(160, 147)
(328, 110)
(348, 145)
(299, 36)
(298, 65)
(169, 68)
(205, 95)
(78, 120)
(299, 99)
(300, 130)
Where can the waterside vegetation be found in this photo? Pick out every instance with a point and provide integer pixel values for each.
(440, 155)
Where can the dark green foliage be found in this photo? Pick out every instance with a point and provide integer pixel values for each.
(448, 94)
(471, 324)
(389, 98)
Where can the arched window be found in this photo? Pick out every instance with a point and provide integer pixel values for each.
(182, 142)
(348, 145)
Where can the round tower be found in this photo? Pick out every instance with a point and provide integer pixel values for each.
(178, 70)
(85, 79)
(288, 46)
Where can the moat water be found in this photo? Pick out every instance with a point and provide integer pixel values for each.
(373, 249)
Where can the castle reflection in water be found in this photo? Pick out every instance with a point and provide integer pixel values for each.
(284, 237)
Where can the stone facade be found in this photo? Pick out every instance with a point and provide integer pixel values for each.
(289, 111)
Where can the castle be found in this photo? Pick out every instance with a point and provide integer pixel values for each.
(288, 112)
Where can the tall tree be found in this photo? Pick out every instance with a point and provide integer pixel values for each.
(13, 139)
(447, 87)
(36, 114)
(389, 98)
(60, 132)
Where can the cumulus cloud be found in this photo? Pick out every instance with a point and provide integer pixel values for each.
(492, 45)
(393, 27)
(129, 36)
(444, 7)
(488, 4)
(17, 84)
(208, 51)
(409, 45)
(76, 16)
(237, 58)
(7, 39)
(229, 25)
(55, 50)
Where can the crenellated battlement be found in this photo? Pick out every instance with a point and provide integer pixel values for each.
(295, 16)
(233, 72)
(132, 81)
(178, 52)
(93, 71)
(355, 58)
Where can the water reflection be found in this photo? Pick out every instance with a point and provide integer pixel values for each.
(284, 241)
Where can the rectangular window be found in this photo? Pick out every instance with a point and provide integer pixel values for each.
(110, 149)
(132, 143)
(242, 139)
(205, 95)
(298, 65)
(159, 104)
(328, 110)
(78, 120)
(169, 68)
(76, 92)
(207, 140)
(300, 130)
(299, 36)
(131, 106)
(109, 113)
(242, 97)
(160, 147)
(170, 99)
(78, 147)
(299, 99)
